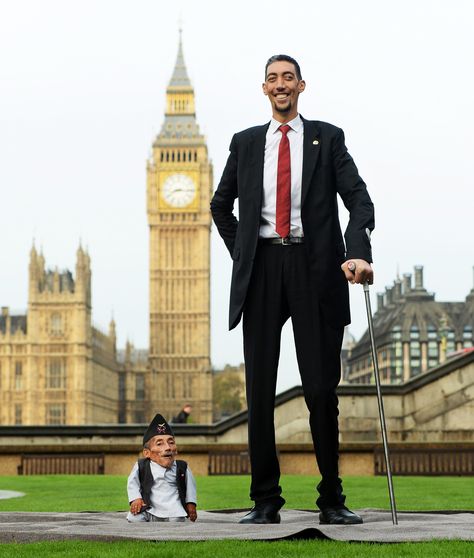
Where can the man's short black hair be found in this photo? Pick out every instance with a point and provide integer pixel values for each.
(283, 58)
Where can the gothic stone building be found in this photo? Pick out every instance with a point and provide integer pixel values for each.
(413, 331)
(55, 367)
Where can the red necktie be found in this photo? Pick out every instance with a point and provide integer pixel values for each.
(283, 202)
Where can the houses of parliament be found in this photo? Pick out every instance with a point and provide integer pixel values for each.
(57, 368)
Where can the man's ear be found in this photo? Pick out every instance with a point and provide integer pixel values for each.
(146, 453)
(264, 88)
(301, 85)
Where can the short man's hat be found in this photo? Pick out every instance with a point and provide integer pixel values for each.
(158, 427)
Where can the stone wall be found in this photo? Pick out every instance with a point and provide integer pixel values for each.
(434, 410)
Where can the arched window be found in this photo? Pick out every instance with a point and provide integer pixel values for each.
(433, 346)
(467, 336)
(56, 324)
(396, 355)
(450, 341)
(397, 333)
(18, 414)
(56, 413)
(18, 375)
(122, 386)
(56, 374)
(140, 387)
(415, 351)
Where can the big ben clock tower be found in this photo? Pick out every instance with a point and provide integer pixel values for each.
(179, 186)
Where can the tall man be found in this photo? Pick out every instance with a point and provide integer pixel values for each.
(289, 260)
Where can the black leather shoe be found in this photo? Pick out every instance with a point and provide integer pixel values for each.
(339, 516)
(262, 513)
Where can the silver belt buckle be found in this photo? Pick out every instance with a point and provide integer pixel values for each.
(286, 241)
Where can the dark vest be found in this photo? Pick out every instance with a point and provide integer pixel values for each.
(146, 479)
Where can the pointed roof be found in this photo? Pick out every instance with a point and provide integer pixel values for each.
(33, 252)
(470, 296)
(180, 74)
(180, 117)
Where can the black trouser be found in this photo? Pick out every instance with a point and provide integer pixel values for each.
(280, 288)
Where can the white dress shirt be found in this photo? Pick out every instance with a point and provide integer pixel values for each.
(165, 500)
(270, 171)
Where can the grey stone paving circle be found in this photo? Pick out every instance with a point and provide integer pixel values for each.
(6, 494)
(296, 524)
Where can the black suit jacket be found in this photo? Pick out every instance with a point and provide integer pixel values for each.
(328, 170)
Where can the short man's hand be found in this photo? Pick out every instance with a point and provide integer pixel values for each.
(136, 506)
(358, 271)
(191, 509)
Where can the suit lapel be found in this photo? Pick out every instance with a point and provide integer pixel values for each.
(257, 160)
(311, 149)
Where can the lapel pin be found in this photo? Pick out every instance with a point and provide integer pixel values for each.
(316, 142)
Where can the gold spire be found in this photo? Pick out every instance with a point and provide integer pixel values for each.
(180, 92)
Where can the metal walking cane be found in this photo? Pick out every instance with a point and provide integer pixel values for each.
(383, 426)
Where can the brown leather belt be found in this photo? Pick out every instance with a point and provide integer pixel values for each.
(288, 241)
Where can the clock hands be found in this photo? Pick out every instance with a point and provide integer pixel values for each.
(179, 190)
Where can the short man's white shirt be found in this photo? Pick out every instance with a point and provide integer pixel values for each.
(165, 500)
(270, 171)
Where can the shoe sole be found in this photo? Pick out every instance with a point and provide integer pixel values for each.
(278, 520)
(341, 523)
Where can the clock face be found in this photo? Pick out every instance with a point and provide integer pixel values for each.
(179, 190)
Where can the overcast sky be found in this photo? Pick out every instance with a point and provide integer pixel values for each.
(82, 91)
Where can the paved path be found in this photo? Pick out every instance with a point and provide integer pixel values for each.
(6, 494)
(377, 527)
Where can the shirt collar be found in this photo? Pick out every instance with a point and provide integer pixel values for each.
(158, 471)
(296, 124)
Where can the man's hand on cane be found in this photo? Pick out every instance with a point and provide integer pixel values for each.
(358, 271)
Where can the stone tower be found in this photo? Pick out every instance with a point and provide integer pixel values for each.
(179, 187)
(59, 316)
(55, 366)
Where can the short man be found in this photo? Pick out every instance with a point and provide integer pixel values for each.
(160, 488)
(288, 253)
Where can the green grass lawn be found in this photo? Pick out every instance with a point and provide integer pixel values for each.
(107, 493)
(239, 549)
